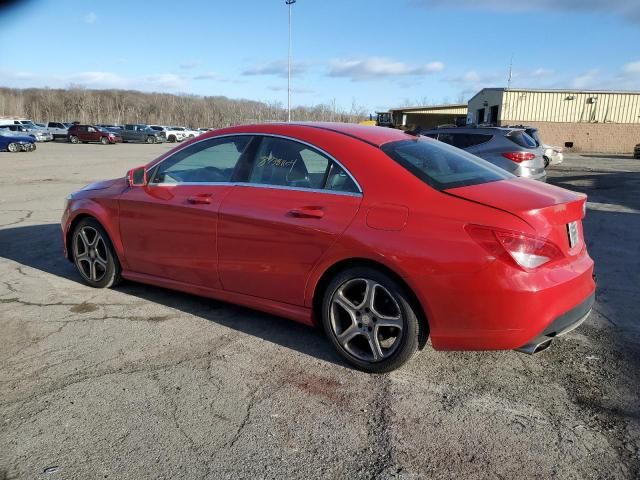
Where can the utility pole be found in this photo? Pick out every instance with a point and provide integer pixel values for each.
(510, 72)
(289, 3)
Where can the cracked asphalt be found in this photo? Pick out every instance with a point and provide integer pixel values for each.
(140, 382)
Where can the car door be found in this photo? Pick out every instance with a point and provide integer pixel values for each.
(92, 134)
(81, 133)
(275, 227)
(168, 227)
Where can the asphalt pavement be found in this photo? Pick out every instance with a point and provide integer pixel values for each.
(139, 382)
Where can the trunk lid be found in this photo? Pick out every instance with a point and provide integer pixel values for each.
(550, 210)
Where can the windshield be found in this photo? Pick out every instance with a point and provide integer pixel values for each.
(442, 166)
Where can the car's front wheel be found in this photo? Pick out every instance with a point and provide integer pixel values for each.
(104, 140)
(370, 319)
(93, 255)
(151, 139)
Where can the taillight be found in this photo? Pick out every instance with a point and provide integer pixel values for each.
(519, 156)
(527, 251)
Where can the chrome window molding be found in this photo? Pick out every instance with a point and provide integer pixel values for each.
(256, 185)
(248, 184)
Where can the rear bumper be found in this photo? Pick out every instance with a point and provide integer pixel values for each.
(501, 308)
(563, 324)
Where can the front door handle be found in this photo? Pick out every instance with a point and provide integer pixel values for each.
(307, 212)
(204, 199)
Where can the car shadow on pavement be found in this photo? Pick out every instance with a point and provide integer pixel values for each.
(40, 247)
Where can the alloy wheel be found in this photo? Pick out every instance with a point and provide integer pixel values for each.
(13, 147)
(91, 254)
(366, 320)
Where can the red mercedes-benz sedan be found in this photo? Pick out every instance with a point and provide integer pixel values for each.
(382, 237)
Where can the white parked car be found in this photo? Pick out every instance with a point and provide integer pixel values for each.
(172, 135)
(188, 132)
(554, 154)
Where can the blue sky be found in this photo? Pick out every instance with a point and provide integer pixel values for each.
(374, 53)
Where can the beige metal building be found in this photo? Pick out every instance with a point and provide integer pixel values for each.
(429, 116)
(578, 120)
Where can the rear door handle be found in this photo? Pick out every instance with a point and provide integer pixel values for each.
(203, 199)
(307, 212)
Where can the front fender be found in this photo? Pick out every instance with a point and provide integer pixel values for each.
(105, 211)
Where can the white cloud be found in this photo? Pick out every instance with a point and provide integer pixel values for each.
(208, 76)
(630, 9)
(189, 64)
(299, 90)
(164, 82)
(587, 80)
(376, 67)
(278, 68)
(626, 78)
(90, 18)
(632, 68)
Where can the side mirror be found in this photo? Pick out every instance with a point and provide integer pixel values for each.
(137, 177)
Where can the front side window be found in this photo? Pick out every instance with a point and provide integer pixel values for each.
(442, 166)
(210, 161)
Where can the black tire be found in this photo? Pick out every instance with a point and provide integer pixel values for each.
(13, 147)
(172, 139)
(407, 337)
(151, 139)
(104, 140)
(33, 147)
(73, 139)
(106, 276)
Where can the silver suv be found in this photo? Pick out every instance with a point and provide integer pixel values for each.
(508, 148)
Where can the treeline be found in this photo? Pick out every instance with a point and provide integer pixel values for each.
(129, 106)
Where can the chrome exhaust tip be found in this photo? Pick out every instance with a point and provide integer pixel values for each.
(535, 346)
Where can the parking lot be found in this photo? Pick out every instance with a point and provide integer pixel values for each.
(141, 382)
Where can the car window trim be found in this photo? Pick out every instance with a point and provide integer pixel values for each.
(282, 187)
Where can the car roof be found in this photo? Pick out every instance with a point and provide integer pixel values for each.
(376, 136)
(480, 130)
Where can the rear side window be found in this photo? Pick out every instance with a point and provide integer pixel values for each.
(283, 162)
(288, 163)
(533, 133)
(442, 166)
(464, 140)
(519, 137)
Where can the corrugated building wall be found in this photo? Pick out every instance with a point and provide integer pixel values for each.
(596, 121)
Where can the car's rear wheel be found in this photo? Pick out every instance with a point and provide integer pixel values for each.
(13, 147)
(369, 318)
(151, 139)
(94, 256)
(104, 140)
(73, 139)
(172, 139)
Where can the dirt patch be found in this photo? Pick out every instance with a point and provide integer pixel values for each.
(84, 307)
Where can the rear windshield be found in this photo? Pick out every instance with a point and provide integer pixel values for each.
(519, 137)
(443, 166)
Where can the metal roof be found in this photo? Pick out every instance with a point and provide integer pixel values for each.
(430, 107)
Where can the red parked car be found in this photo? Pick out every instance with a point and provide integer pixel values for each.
(382, 237)
(91, 133)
